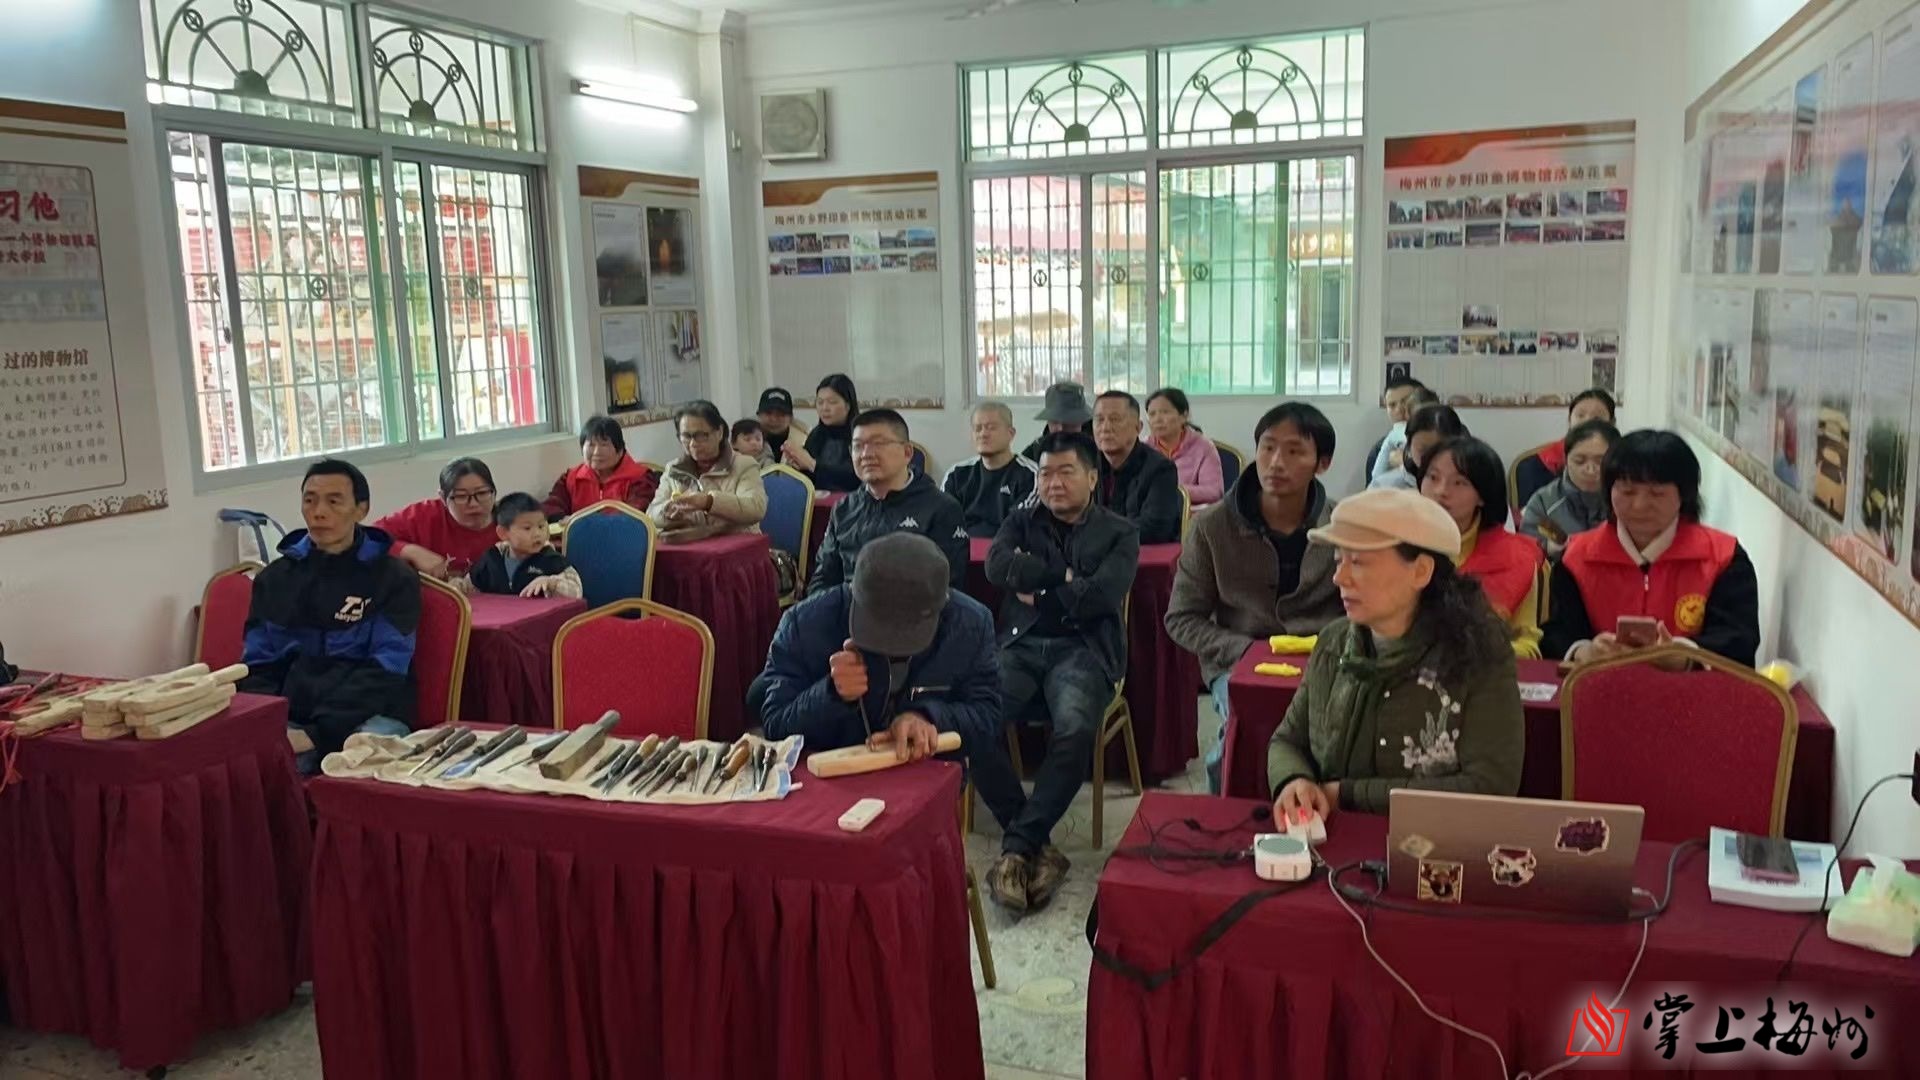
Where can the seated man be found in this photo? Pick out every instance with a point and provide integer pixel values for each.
(776, 422)
(1247, 572)
(333, 619)
(1065, 567)
(891, 498)
(896, 657)
(991, 485)
(1137, 482)
(1065, 409)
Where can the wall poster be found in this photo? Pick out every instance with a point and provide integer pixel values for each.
(854, 286)
(1506, 261)
(1805, 372)
(79, 437)
(642, 230)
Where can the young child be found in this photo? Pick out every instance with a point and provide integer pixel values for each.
(750, 440)
(523, 563)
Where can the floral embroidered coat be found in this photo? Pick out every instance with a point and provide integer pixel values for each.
(1376, 719)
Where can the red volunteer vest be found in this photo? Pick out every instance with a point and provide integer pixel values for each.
(1674, 589)
(1505, 564)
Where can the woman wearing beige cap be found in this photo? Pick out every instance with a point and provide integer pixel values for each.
(1415, 687)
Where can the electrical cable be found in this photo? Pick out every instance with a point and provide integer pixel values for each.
(1826, 885)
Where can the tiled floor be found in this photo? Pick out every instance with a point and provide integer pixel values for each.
(1032, 1027)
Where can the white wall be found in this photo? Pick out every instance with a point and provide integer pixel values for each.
(112, 597)
(1859, 651)
(1433, 65)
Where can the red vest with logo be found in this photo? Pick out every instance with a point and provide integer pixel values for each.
(1674, 589)
(1505, 565)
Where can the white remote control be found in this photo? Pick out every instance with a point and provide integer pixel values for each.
(861, 814)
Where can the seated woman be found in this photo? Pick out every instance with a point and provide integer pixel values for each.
(1531, 474)
(1465, 477)
(1415, 687)
(605, 472)
(1654, 560)
(828, 455)
(1571, 503)
(1428, 427)
(1194, 455)
(711, 490)
(445, 537)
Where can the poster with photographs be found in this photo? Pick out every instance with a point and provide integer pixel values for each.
(642, 230)
(1805, 373)
(854, 285)
(1506, 261)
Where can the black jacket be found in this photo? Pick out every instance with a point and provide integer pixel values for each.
(832, 450)
(489, 575)
(986, 496)
(334, 635)
(1032, 452)
(954, 682)
(777, 443)
(861, 518)
(1033, 553)
(1145, 491)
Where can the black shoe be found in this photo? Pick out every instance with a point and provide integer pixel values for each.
(1007, 881)
(1049, 873)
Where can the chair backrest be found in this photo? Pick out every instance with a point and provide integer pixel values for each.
(921, 461)
(1515, 504)
(789, 520)
(1232, 462)
(593, 670)
(221, 639)
(612, 545)
(1696, 748)
(440, 653)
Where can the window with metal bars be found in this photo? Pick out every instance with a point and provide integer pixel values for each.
(351, 282)
(1208, 241)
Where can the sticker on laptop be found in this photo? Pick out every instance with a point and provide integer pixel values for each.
(1441, 881)
(1512, 866)
(1416, 845)
(1583, 836)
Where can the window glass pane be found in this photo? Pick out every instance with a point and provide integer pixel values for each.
(287, 59)
(1026, 284)
(1320, 240)
(1222, 276)
(429, 415)
(297, 234)
(1120, 282)
(438, 83)
(216, 381)
(1057, 109)
(1278, 90)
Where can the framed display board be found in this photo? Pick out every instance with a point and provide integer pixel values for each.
(642, 233)
(853, 285)
(1797, 325)
(1506, 261)
(79, 435)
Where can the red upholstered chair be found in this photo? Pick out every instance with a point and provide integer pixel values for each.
(1698, 748)
(221, 639)
(440, 653)
(655, 670)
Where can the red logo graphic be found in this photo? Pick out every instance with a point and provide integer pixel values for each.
(1597, 1030)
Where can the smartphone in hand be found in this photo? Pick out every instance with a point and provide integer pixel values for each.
(1637, 631)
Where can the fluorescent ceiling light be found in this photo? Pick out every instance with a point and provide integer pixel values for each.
(651, 99)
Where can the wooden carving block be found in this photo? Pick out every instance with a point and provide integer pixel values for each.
(219, 697)
(175, 693)
(575, 751)
(179, 723)
(109, 696)
(858, 759)
(113, 732)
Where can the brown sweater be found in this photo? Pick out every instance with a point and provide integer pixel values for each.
(1227, 593)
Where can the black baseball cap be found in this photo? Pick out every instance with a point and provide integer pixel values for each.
(775, 400)
(899, 590)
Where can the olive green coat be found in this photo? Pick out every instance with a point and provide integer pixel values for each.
(1381, 721)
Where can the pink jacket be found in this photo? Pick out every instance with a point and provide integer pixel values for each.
(1198, 462)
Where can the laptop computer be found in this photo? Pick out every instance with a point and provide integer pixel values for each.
(1537, 854)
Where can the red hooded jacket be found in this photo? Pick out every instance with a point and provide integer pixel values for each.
(1505, 565)
(429, 524)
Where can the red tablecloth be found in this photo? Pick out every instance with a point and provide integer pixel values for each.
(151, 892)
(476, 934)
(510, 658)
(728, 582)
(1258, 702)
(1291, 991)
(1163, 679)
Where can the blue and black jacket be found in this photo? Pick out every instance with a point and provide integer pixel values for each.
(334, 634)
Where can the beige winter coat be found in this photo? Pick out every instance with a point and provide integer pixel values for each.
(739, 498)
